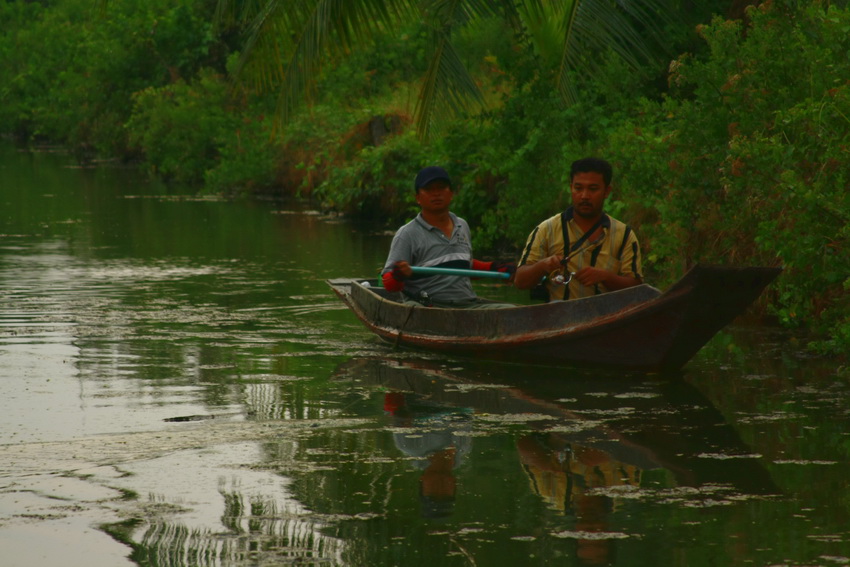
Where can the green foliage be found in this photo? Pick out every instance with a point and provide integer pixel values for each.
(75, 68)
(178, 127)
(746, 162)
(739, 157)
(518, 182)
(200, 133)
(393, 58)
(246, 157)
(17, 86)
(325, 147)
(377, 185)
(518, 156)
(289, 43)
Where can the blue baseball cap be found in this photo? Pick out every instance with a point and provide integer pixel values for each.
(429, 174)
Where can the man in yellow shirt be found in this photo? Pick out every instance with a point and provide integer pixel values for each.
(599, 252)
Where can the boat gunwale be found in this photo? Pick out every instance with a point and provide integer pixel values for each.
(671, 326)
(597, 324)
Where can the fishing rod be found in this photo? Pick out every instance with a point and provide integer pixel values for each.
(560, 277)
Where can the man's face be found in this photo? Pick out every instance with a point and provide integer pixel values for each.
(435, 197)
(589, 192)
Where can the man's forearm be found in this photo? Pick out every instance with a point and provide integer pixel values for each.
(528, 276)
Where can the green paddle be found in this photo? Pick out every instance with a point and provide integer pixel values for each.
(459, 272)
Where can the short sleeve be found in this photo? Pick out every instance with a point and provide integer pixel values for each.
(535, 247)
(400, 249)
(630, 260)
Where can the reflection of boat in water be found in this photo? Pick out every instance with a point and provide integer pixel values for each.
(638, 328)
(580, 460)
(585, 434)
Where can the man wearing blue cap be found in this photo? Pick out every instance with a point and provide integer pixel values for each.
(436, 238)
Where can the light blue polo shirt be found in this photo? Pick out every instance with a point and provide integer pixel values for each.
(420, 244)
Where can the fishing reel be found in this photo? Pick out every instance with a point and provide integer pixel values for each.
(561, 276)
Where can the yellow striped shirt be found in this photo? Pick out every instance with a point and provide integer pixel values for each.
(618, 252)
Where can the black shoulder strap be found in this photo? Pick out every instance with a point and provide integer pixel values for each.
(565, 218)
(578, 243)
(627, 232)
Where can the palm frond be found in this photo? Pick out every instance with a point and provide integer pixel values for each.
(631, 29)
(447, 89)
(288, 41)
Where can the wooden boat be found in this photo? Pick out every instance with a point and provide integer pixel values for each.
(638, 328)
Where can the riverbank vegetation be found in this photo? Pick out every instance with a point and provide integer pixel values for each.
(729, 127)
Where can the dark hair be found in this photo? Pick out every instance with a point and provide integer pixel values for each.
(595, 165)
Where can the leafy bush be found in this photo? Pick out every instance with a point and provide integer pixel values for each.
(246, 160)
(18, 85)
(377, 185)
(179, 127)
(75, 68)
(744, 160)
(518, 156)
(747, 161)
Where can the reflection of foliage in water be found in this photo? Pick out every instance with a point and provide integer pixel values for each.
(259, 532)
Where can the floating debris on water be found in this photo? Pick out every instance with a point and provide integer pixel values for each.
(836, 559)
(776, 416)
(826, 538)
(723, 456)
(575, 427)
(202, 417)
(803, 462)
(648, 395)
(516, 417)
(473, 387)
(592, 535)
(611, 412)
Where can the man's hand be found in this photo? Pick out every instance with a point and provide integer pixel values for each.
(529, 275)
(402, 271)
(550, 264)
(589, 276)
(508, 267)
(504, 267)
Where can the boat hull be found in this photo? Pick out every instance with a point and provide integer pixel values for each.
(638, 328)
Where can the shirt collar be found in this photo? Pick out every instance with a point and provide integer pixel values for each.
(428, 226)
(606, 220)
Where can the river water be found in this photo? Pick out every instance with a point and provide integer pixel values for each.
(179, 386)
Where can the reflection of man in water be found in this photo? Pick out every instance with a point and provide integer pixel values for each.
(435, 446)
(562, 473)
